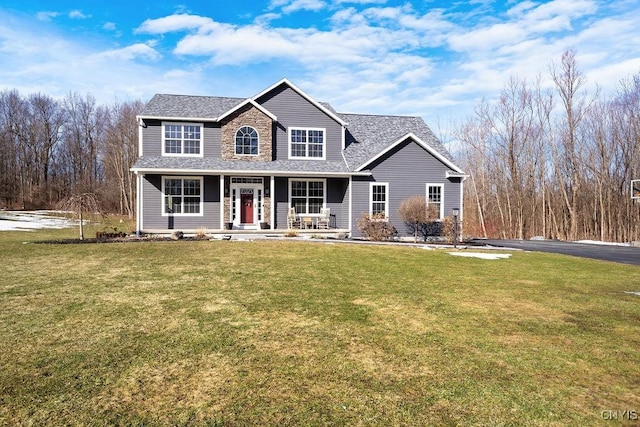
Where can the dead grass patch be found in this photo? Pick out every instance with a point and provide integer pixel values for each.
(256, 334)
(165, 389)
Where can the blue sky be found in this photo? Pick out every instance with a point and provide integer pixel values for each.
(435, 59)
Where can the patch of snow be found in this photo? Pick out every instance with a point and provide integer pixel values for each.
(32, 220)
(633, 293)
(480, 255)
(598, 242)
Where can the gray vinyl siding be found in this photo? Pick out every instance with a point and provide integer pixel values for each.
(407, 169)
(152, 138)
(337, 201)
(152, 202)
(281, 201)
(293, 110)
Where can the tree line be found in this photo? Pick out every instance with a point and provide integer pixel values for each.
(53, 149)
(555, 162)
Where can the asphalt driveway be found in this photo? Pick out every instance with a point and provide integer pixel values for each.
(621, 254)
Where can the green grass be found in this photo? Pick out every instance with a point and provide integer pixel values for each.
(298, 333)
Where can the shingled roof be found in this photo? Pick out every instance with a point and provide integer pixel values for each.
(215, 164)
(366, 135)
(189, 107)
(369, 135)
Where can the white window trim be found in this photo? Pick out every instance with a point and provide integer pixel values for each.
(199, 178)
(426, 195)
(165, 154)
(324, 143)
(386, 202)
(324, 193)
(235, 146)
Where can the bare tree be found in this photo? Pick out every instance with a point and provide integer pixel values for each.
(47, 122)
(85, 122)
(414, 212)
(569, 80)
(80, 203)
(120, 151)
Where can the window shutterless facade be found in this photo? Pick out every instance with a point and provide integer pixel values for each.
(182, 196)
(435, 198)
(247, 141)
(379, 199)
(182, 139)
(307, 196)
(307, 143)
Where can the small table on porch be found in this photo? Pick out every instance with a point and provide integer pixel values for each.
(306, 222)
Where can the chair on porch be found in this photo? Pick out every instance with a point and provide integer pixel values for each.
(292, 219)
(324, 219)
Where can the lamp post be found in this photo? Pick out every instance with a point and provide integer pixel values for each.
(455, 212)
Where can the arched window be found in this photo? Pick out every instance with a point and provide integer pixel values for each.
(247, 141)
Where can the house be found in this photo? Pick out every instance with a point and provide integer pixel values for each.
(219, 163)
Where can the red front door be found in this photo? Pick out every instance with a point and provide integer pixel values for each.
(246, 208)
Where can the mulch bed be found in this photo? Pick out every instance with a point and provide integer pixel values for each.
(124, 239)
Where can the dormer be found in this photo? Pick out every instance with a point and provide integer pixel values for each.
(247, 133)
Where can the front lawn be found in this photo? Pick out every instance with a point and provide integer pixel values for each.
(298, 333)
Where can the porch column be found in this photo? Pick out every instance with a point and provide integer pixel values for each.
(139, 181)
(222, 221)
(272, 192)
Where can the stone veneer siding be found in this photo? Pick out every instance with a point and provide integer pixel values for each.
(248, 116)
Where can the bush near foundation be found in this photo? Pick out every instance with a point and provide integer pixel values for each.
(376, 227)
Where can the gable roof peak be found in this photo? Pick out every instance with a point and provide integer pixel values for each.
(302, 93)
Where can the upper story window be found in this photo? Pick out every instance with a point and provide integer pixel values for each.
(307, 143)
(247, 141)
(182, 139)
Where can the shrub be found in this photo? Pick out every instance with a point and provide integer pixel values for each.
(437, 229)
(202, 233)
(419, 217)
(415, 213)
(376, 227)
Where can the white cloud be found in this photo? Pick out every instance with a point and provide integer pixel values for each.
(369, 56)
(379, 58)
(77, 14)
(47, 15)
(296, 5)
(290, 6)
(178, 22)
(360, 1)
(129, 53)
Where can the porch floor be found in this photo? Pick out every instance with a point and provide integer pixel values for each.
(332, 232)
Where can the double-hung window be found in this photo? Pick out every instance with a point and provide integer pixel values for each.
(182, 195)
(182, 139)
(307, 196)
(307, 143)
(435, 199)
(379, 200)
